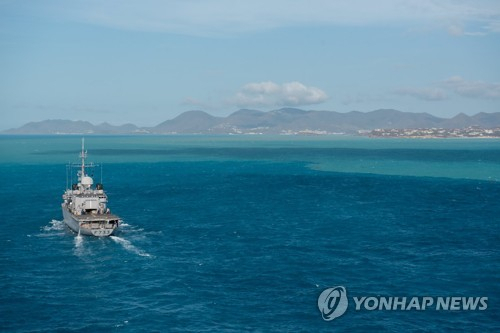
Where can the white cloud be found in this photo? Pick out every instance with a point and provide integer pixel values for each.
(226, 17)
(493, 26)
(455, 30)
(426, 94)
(473, 89)
(272, 94)
(454, 84)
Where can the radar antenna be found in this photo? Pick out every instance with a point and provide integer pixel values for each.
(83, 155)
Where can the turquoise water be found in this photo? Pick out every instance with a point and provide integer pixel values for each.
(243, 233)
(453, 158)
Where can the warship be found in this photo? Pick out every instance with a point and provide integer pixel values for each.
(84, 206)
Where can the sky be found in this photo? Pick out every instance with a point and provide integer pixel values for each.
(147, 61)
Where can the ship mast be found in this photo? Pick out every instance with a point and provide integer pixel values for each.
(83, 155)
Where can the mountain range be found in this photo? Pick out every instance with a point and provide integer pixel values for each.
(282, 121)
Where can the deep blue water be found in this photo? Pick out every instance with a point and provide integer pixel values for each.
(236, 234)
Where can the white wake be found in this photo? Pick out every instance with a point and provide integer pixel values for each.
(127, 245)
(78, 241)
(54, 228)
(79, 249)
(54, 225)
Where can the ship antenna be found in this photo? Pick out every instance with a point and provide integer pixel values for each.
(83, 155)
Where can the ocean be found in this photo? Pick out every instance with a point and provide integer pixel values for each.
(244, 233)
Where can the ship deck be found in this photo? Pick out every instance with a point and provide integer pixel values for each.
(95, 217)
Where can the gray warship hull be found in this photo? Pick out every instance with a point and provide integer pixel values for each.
(85, 204)
(100, 225)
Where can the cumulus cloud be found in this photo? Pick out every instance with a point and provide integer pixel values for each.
(426, 94)
(216, 17)
(472, 89)
(273, 94)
